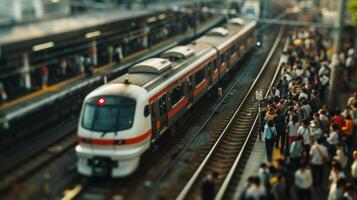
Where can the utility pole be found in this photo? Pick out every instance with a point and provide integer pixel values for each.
(337, 50)
(341, 19)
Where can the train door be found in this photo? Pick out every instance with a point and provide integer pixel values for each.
(163, 112)
(189, 90)
(155, 123)
(210, 70)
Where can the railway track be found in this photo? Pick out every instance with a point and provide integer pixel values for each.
(236, 134)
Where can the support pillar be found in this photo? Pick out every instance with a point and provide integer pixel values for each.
(25, 71)
(17, 10)
(38, 6)
(94, 52)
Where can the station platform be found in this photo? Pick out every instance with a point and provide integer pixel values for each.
(26, 104)
(258, 155)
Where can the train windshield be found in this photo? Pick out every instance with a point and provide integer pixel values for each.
(109, 113)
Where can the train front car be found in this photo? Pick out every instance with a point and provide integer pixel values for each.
(113, 131)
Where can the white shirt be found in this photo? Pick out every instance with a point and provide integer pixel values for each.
(335, 176)
(303, 179)
(349, 62)
(332, 138)
(316, 132)
(324, 80)
(341, 157)
(305, 133)
(354, 169)
(316, 157)
(255, 192)
(292, 129)
(334, 193)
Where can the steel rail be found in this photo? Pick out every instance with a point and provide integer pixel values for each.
(228, 178)
(194, 177)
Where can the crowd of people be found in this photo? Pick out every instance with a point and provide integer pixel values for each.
(318, 143)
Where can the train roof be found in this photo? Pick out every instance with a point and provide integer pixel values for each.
(221, 37)
(152, 72)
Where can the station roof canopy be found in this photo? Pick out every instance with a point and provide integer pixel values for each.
(25, 32)
(152, 65)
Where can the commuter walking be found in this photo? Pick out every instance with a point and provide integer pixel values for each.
(44, 76)
(296, 152)
(208, 187)
(304, 131)
(88, 66)
(349, 64)
(255, 190)
(279, 188)
(280, 125)
(3, 93)
(270, 134)
(333, 139)
(318, 155)
(354, 167)
(119, 54)
(292, 129)
(337, 189)
(63, 68)
(303, 182)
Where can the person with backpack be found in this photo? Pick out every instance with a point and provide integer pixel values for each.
(296, 152)
(333, 139)
(270, 134)
(304, 131)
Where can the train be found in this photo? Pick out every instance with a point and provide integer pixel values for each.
(120, 120)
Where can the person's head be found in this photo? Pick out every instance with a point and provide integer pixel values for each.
(334, 127)
(336, 166)
(338, 111)
(305, 123)
(215, 175)
(250, 180)
(270, 123)
(302, 165)
(280, 163)
(320, 141)
(313, 125)
(354, 154)
(295, 119)
(316, 116)
(348, 117)
(257, 180)
(263, 166)
(300, 138)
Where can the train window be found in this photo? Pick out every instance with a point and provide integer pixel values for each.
(116, 114)
(176, 94)
(200, 76)
(146, 111)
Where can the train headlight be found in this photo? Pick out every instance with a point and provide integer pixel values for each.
(258, 44)
(101, 101)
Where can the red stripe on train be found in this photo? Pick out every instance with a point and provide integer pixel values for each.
(177, 108)
(97, 141)
(200, 87)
